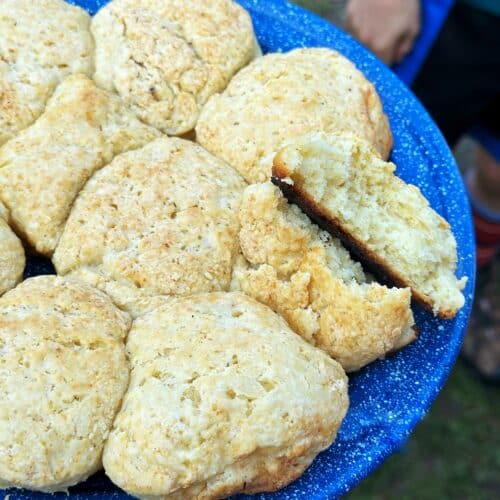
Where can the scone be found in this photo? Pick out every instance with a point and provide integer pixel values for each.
(12, 259)
(280, 97)
(63, 373)
(161, 220)
(165, 58)
(305, 275)
(45, 166)
(340, 181)
(41, 42)
(223, 398)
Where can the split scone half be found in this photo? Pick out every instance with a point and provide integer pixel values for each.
(343, 185)
(41, 42)
(45, 166)
(305, 275)
(160, 220)
(280, 97)
(63, 373)
(223, 398)
(165, 58)
(12, 258)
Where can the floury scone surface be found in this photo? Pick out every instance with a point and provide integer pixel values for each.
(280, 97)
(158, 221)
(223, 398)
(12, 258)
(166, 58)
(63, 372)
(45, 166)
(41, 42)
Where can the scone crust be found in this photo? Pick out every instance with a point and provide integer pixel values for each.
(292, 186)
(165, 58)
(246, 409)
(279, 97)
(40, 43)
(43, 169)
(62, 377)
(12, 258)
(306, 276)
(161, 220)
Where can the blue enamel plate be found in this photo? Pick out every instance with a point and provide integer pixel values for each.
(388, 397)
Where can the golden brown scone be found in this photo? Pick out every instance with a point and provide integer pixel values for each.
(305, 275)
(63, 373)
(43, 169)
(223, 398)
(161, 220)
(12, 259)
(340, 181)
(165, 58)
(41, 42)
(280, 97)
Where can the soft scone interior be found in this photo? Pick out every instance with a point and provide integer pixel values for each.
(223, 398)
(307, 276)
(341, 182)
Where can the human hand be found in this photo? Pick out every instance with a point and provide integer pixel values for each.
(387, 27)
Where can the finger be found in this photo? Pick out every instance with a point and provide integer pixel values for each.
(354, 26)
(385, 49)
(348, 26)
(387, 56)
(403, 48)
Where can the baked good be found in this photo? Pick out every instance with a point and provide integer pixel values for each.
(45, 166)
(165, 58)
(341, 182)
(40, 43)
(62, 377)
(280, 97)
(161, 220)
(305, 275)
(223, 398)
(12, 259)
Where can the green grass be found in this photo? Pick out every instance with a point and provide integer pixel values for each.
(453, 454)
(320, 7)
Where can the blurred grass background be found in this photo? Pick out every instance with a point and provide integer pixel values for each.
(454, 452)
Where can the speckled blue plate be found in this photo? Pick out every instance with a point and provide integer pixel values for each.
(389, 397)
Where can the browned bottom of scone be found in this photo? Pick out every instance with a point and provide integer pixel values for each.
(372, 262)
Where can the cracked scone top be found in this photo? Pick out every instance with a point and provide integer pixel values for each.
(46, 165)
(304, 274)
(165, 58)
(63, 373)
(223, 398)
(41, 42)
(280, 97)
(160, 220)
(12, 259)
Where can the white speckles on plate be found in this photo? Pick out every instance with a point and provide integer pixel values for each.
(388, 397)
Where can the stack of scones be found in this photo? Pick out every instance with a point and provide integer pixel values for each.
(207, 211)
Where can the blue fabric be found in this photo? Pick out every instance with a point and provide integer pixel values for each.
(389, 397)
(433, 15)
